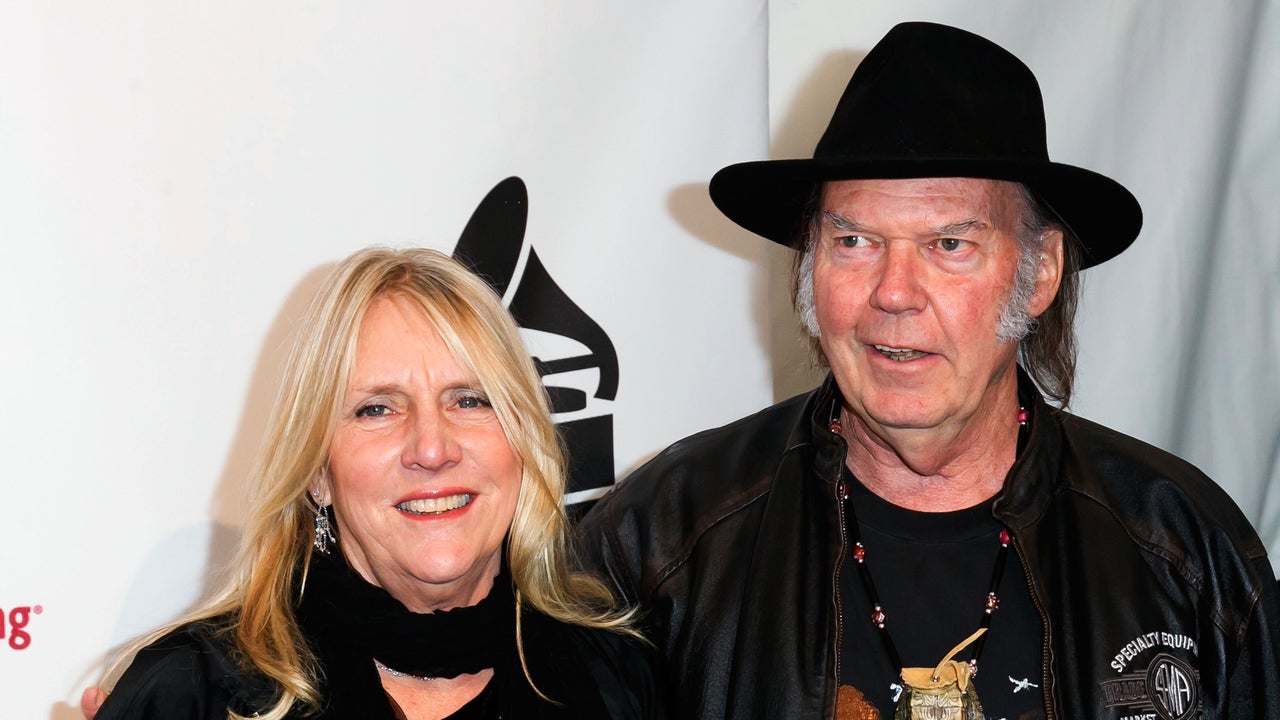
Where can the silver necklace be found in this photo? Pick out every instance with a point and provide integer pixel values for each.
(396, 673)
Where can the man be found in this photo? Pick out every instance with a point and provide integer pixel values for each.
(791, 564)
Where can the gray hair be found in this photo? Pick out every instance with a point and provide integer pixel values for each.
(1046, 344)
(1015, 323)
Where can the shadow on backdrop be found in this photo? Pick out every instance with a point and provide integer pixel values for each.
(175, 578)
(777, 329)
(795, 367)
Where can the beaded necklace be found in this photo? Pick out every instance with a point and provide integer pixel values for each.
(878, 616)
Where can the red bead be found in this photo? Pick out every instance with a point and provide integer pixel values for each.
(993, 602)
(1023, 416)
(1004, 536)
(878, 617)
(859, 552)
(834, 426)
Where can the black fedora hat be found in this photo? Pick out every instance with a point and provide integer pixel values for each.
(934, 101)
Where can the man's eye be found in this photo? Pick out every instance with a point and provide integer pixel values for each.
(373, 410)
(852, 241)
(950, 244)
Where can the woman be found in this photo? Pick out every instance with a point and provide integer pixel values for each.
(405, 554)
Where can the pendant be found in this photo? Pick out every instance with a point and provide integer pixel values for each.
(938, 703)
(940, 693)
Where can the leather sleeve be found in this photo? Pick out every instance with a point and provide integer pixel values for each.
(609, 548)
(1253, 685)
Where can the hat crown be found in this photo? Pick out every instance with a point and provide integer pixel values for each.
(932, 91)
(934, 101)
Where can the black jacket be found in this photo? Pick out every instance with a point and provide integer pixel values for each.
(190, 675)
(1155, 593)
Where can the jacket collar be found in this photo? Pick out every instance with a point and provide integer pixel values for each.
(813, 427)
(1027, 487)
(1037, 471)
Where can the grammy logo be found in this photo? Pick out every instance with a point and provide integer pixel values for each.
(573, 354)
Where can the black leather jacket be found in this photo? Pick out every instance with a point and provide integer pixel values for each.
(1155, 593)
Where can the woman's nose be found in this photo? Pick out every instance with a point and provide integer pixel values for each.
(432, 443)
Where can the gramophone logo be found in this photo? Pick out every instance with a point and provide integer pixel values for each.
(574, 356)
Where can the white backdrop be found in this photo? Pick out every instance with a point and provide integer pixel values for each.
(174, 179)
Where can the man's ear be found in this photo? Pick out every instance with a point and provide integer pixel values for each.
(1048, 273)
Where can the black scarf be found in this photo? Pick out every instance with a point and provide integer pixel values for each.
(349, 623)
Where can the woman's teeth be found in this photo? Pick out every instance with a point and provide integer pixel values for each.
(899, 354)
(435, 506)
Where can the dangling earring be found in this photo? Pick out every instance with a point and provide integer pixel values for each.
(324, 531)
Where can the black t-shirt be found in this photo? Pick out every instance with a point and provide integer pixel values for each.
(932, 572)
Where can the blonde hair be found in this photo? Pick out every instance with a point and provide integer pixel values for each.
(259, 596)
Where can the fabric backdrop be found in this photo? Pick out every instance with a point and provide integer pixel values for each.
(176, 178)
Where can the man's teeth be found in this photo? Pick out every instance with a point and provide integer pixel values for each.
(900, 354)
(435, 506)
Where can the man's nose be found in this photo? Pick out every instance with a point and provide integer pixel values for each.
(432, 443)
(898, 288)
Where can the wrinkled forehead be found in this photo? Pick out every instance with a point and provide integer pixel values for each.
(944, 202)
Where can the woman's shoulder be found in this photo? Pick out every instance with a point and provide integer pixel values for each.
(620, 667)
(188, 673)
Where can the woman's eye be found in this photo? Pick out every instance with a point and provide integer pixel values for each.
(468, 402)
(950, 244)
(373, 410)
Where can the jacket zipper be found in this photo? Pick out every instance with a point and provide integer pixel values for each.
(841, 490)
(1045, 679)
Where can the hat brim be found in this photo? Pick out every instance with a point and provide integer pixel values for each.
(768, 197)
